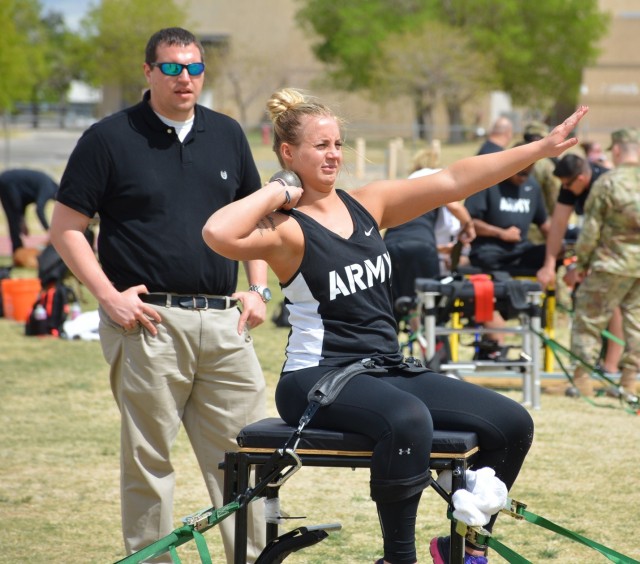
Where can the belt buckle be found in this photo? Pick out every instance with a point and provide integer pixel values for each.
(196, 301)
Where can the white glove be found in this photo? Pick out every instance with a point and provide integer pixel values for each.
(467, 511)
(490, 491)
(485, 495)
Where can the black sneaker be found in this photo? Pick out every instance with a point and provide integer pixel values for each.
(489, 349)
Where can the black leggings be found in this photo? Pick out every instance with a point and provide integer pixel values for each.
(525, 260)
(15, 211)
(399, 412)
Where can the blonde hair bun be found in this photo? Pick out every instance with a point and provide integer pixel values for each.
(284, 100)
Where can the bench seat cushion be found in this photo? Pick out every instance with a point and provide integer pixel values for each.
(273, 433)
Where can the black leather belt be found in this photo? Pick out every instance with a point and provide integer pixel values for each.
(189, 302)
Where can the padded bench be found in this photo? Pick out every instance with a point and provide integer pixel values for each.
(452, 450)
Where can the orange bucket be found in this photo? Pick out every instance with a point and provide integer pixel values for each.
(18, 297)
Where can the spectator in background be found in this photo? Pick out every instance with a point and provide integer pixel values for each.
(594, 153)
(453, 227)
(577, 175)
(608, 265)
(20, 188)
(543, 169)
(502, 215)
(499, 137)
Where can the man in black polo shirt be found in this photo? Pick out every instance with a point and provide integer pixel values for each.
(178, 347)
(577, 175)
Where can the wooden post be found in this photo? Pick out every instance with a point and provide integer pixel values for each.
(392, 173)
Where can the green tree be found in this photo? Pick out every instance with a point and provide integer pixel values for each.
(59, 69)
(350, 35)
(539, 48)
(21, 58)
(116, 33)
(431, 63)
(21, 51)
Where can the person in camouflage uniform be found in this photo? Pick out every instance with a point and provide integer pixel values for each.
(608, 264)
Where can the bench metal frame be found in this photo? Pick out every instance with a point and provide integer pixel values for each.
(453, 451)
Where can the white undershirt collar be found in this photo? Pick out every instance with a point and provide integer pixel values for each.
(182, 128)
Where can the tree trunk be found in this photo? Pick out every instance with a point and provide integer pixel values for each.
(35, 113)
(456, 127)
(424, 120)
(560, 111)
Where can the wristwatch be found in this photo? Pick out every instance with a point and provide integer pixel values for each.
(264, 292)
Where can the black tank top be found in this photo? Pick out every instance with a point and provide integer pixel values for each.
(339, 300)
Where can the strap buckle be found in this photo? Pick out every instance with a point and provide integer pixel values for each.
(197, 300)
(514, 508)
(199, 520)
(283, 477)
(478, 536)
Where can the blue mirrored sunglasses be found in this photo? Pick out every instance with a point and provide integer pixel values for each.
(175, 69)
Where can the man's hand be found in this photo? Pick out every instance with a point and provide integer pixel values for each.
(126, 309)
(573, 276)
(546, 276)
(511, 234)
(254, 310)
(467, 233)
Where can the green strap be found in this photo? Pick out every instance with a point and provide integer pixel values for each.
(174, 555)
(169, 544)
(165, 544)
(509, 555)
(203, 550)
(555, 347)
(605, 332)
(202, 522)
(549, 525)
(607, 335)
(480, 536)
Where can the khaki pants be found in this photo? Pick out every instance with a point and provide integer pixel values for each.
(199, 372)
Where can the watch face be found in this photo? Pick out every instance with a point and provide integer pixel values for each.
(264, 292)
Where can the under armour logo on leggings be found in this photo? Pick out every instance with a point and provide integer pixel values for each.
(401, 451)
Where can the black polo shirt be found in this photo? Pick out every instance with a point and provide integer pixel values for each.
(568, 198)
(154, 195)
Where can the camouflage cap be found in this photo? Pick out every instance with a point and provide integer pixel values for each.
(624, 135)
(535, 129)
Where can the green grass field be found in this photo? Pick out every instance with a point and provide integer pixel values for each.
(59, 471)
(59, 496)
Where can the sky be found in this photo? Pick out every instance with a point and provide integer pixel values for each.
(72, 10)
